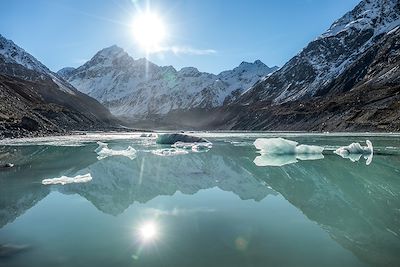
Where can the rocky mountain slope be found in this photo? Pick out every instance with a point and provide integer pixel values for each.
(36, 101)
(140, 88)
(347, 79)
(313, 71)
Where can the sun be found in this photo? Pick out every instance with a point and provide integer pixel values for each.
(149, 31)
(148, 231)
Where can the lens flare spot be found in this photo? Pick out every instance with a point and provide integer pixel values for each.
(148, 231)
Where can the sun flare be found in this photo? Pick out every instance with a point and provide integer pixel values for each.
(148, 231)
(149, 31)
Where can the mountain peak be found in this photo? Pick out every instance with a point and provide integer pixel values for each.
(256, 63)
(111, 52)
(12, 53)
(188, 70)
(379, 15)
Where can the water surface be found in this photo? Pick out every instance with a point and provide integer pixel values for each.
(208, 208)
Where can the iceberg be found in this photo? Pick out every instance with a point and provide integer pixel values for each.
(170, 139)
(354, 152)
(103, 152)
(309, 150)
(280, 152)
(63, 180)
(281, 146)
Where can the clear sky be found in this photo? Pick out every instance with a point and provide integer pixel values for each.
(212, 35)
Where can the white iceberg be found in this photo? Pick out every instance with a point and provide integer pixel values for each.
(281, 146)
(279, 152)
(308, 150)
(166, 152)
(354, 152)
(68, 180)
(103, 152)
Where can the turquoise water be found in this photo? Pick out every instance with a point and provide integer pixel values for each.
(207, 208)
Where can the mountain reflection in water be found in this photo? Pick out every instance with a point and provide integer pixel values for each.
(358, 205)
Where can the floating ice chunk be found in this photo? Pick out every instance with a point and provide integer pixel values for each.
(354, 152)
(103, 152)
(280, 146)
(309, 150)
(279, 152)
(195, 147)
(166, 152)
(68, 180)
(170, 139)
(356, 148)
(277, 146)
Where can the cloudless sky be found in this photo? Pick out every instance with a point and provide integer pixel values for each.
(64, 33)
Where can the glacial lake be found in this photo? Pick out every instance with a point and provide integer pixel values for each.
(213, 207)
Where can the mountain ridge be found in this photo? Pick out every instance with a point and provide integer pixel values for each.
(141, 88)
(36, 101)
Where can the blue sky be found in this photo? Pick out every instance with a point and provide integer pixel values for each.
(212, 35)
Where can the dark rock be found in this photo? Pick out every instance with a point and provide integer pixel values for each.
(170, 139)
(29, 124)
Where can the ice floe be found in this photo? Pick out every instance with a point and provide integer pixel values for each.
(166, 152)
(281, 146)
(68, 180)
(280, 152)
(355, 151)
(103, 151)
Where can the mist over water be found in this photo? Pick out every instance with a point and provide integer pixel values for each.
(215, 207)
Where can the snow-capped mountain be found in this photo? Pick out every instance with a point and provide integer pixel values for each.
(139, 87)
(311, 72)
(35, 100)
(12, 57)
(346, 79)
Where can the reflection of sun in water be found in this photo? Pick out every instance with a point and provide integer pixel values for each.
(149, 31)
(148, 231)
